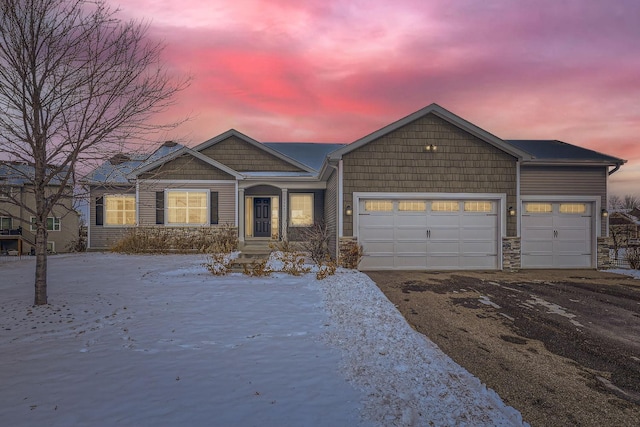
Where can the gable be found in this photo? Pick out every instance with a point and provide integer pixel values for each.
(186, 167)
(242, 156)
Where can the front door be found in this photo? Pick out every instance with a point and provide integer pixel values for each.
(262, 217)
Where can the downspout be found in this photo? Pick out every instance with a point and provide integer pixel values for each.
(338, 170)
(614, 170)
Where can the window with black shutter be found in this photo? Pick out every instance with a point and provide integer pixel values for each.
(99, 210)
(214, 207)
(159, 207)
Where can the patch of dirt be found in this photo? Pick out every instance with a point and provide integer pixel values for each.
(557, 345)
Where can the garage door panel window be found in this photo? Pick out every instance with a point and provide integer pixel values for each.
(301, 209)
(445, 206)
(573, 208)
(378, 206)
(187, 207)
(538, 207)
(412, 206)
(478, 206)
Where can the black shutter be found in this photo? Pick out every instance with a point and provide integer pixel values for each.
(159, 207)
(213, 206)
(99, 210)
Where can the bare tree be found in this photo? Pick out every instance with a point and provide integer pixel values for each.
(630, 202)
(76, 82)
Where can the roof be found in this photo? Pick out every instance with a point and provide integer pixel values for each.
(19, 174)
(116, 169)
(558, 151)
(311, 154)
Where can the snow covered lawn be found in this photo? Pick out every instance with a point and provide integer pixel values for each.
(159, 341)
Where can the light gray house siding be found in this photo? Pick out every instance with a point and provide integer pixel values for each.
(104, 236)
(565, 181)
(330, 215)
(147, 199)
(398, 162)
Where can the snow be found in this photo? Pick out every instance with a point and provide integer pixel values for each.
(158, 340)
(625, 271)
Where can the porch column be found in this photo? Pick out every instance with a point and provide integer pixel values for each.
(241, 215)
(285, 213)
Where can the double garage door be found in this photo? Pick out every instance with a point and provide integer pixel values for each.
(416, 234)
(557, 235)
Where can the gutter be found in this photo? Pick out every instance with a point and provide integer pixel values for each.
(614, 170)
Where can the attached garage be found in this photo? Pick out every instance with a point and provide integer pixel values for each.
(557, 234)
(436, 233)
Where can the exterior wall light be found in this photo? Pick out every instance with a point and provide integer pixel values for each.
(512, 211)
(430, 147)
(348, 211)
(604, 213)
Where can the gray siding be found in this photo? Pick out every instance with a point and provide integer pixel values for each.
(398, 162)
(186, 167)
(147, 199)
(330, 206)
(565, 181)
(241, 156)
(100, 236)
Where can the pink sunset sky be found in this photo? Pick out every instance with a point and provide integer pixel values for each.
(337, 70)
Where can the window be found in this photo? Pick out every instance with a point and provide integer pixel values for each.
(301, 209)
(378, 205)
(53, 224)
(6, 223)
(188, 207)
(538, 207)
(120, 209)
(573, 208)
(445, 206)
(478, 206)
(5, 191)
(412, 206)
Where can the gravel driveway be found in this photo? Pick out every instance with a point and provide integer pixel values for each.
(563, 347)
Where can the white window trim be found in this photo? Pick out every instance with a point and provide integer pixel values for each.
(313, 201)
(167, 191)
(104, 207)
(32, 228)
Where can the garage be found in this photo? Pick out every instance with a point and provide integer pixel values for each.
(557, 234)
(434, 234)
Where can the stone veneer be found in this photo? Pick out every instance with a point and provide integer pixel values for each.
(604, 260)
(511, 250)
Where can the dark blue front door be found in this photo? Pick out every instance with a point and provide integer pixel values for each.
(262, 217)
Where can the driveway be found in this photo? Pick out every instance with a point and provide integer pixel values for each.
(556, 345)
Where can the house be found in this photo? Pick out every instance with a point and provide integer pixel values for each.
(429, 191)
(625, 227)
(17, 203)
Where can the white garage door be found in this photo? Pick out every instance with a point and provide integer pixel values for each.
(428, 234)
(557, 235)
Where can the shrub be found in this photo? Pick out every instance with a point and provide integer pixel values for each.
(222, 239)
(316, 242)
(350, 255)
(257, 269)
(219, 264)
(633, 257)
(326, 270)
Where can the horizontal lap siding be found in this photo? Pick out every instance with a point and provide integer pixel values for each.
(330, 206)
(226, 199)
(241, 156)
(398, 162)
(103, 237)
(565, 181)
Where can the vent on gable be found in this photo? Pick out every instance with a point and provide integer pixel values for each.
(169, 144)
(119, 158)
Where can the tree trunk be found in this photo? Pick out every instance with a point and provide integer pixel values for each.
(41, 265)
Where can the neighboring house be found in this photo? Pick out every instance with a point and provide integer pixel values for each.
(430, 191)
(16, 200)
(625, 226)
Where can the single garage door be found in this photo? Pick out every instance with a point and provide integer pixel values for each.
(557, 235)
(428, 234)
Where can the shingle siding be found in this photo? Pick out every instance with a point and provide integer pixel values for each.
(186, 167)
(241, 156)
(565, 181)
(398, 162)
